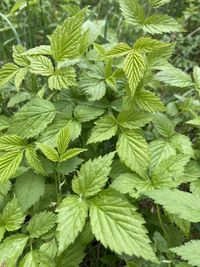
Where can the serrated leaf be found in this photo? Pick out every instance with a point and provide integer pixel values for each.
(33, 118)
(12, 216)
(119, 50)
(174, 77)
(133, 150)
(85, 113)
(29, 188)
(147, 45)
(63, 139)
(148, 101)
(33, 160)
(49, 152)
(11, 142)
(196, 75)
(187, 205)
(19, 77)
(41, 65)
(182, 144)
(189, 252)
(39, 50)
(159, 23)
(104, 129)
(94, 88)
(135, 65)
(92, 176)
(7, 72)
(163, 125)
(41, 223)
(49, 248)
(131, 119)
(72, 214)
(4, 189)
(36, 258)
(62, 78)
(158, 3)
(18, 98)
(70, 153)
(65, 41)
(70, 165)
(118, 226)
(19, 57)
(11, 248)
(9, 164)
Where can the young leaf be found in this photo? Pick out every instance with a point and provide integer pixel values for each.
(94, 88)
(187, 205)
(7, 72)
(119, 50)
(85, 113)
(147, 44)
(196, 75)
(41, 223)
(41, 65)
(158, 3)
(19, 57)
(49, 248)
(72, 214)
(163, 125)
(105, 128)
(29, 188)
(133, 150)
(70, 153)
(49, 152)
(33, 160)
(135, 65)
(189, 252)
(33, 118)
(12, 216)
(36, 258)
(118, 226)
(11, 142)
(62, 78)
(9, 163)
(11, 248)
(19, 77)
(63, 139)
(92, 176)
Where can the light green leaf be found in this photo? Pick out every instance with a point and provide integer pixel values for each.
(85, 113)
(117, 225)
(72, 214)
(135, 65)
(18, 98)
(36, 258)
(33, 160)
(62, 78)
(9, 163)
(131, 119)
(39, 50)
(174, 77)
(196, 75)
(182, 144)
(104, 129)
(4, 189)
(49, 248)
(33, 118)
(19, 77)
(71, 153)
(41, 223)
(158, 23)
(7, 72)
(92, 176)
(187, 205)
(19, 57)
(63, 139)
(163, 125)
(65, 41)
(133, 150)
(189, 252)
(12, 216)
(49, 152)
(11, 142)
(195, 188)
(147, 44)
(11, 248)
(41, 65)
(94, 88)
(119, 50)
(29, 188)
(158, 3)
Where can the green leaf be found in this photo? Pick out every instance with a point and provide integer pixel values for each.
(187, 205)
(160, 150)
(12, 216)
(49, 248)
(131, 119)
(29, 188)
(133, 150)
(158, 23)
(41, 223)
(117, 225)
(182, 144)
(62, 78)
(85, 113)
(195, 188)
(147, 44)
(11, 142)
(7, 72)
(92, 176)
(39, 50)
(148, 101)
(18, 98)
(69, 166)
(63, 139)
(94, 88)
(158, 3)
(65, 41)
(163, 125)
(104, 129)
(36, 258)
(135, 65)
(33, 160)
(189, 252)
(49, 152)
(132, 11)
(33, 118)
(196, 75)
(4, 189)
(119, 50)
(41, 65)
(19, 57)
(9, 164)
(71, 153)
(72, 214)
(19, 77)
(174, 77)
(11, 248)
